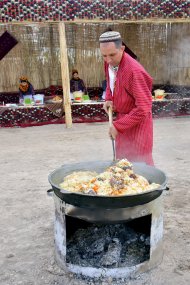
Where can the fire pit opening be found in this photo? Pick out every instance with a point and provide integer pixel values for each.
(108, 245)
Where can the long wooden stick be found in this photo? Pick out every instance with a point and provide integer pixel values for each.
(110, 114)
(65, 75)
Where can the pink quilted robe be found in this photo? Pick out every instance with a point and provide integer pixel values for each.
(132, 101)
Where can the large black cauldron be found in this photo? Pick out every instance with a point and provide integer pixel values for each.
(151, 173)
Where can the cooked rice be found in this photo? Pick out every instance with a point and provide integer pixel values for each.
(116, 180)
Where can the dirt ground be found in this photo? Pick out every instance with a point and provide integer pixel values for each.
(28, 155)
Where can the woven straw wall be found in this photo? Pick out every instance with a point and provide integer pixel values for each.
(161, 47)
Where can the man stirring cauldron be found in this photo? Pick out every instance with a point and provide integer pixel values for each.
(128, 93)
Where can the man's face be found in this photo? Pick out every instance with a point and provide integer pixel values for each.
(111, 54)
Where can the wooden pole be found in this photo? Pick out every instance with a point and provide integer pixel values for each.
(65, 75)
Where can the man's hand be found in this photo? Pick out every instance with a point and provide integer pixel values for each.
(107, 105)
(113, 132)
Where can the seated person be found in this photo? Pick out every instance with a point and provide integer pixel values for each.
(25, 87)
(76, 83)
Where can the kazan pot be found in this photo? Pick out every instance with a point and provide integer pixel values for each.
(151, 173)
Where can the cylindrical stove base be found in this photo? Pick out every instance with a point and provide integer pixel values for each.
(154, 208)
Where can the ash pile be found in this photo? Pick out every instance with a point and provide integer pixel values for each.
(108, 246)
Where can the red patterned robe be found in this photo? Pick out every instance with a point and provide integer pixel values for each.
(132, 101)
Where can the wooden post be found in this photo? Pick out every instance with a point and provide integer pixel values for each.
(65, 75)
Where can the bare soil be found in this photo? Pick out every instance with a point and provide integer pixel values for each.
(28, 155)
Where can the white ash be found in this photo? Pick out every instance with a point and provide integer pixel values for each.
(108, 246)
(102, 280)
